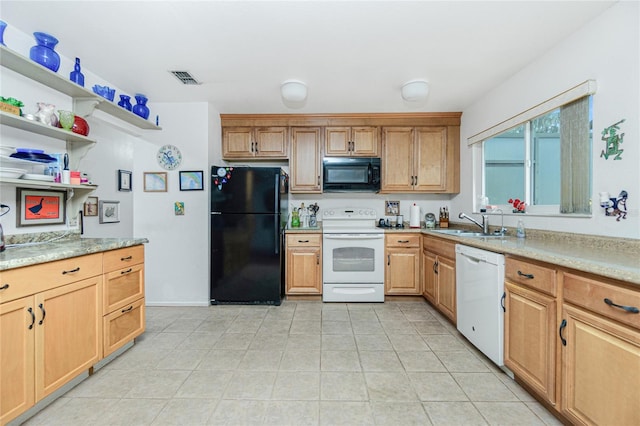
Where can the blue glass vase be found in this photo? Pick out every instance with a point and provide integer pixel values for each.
(124, 102)
(141, 108)
(76, 75)
(3, 25)
(43, 52)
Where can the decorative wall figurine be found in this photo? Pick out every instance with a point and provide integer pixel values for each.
(615, 206)
(613, 140)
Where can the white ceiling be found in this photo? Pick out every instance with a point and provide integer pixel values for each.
(353, 55)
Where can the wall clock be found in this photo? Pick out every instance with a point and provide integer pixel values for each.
(169, 157)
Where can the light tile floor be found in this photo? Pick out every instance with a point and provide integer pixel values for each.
(302, 363)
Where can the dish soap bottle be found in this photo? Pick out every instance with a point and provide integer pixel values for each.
(295, 219)
(520, 229)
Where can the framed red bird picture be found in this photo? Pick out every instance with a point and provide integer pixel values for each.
(40, 207)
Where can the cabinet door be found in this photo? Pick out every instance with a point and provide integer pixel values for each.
(304, 270)
(397, 159)
(447, 287)
(17, 327)
(429, 283)
(337, 141)
(530, 338)
(271, 142)
(430, 158)
(305, 163)
(364, 141)
(68, 333)
(402, 272)
(600, 370)
(237, 142)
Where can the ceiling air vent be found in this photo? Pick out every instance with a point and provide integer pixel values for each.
(185, 77)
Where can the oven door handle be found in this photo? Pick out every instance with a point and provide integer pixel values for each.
(353, 236)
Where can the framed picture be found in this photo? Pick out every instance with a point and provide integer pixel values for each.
(40, 207)
(191, 180)
(124, 180)
(91, 206)
(155, 181)
(109, 211)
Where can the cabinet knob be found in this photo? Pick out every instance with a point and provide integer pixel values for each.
(4, 287)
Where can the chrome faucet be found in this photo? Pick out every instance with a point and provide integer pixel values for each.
(484, 225)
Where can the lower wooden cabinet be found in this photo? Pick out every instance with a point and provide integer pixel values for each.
(58, 319)
(402, 268)
(530, 338)
(600, 351)
(47, 339)
(439, 275)
(304, 264)
(123, 306)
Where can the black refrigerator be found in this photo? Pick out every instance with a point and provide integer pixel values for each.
(248, 219)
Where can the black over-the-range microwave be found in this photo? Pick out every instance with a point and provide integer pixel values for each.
(352, 174)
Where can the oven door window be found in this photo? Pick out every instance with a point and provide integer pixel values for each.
(354, 259)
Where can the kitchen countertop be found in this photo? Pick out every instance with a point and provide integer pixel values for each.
(615, 258)
(33, 253)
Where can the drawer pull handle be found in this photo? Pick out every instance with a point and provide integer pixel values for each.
(127, 310)
(303, 241)
(403, 241)
(504, 296)
(630, 309)
(563, 324)
(44, 313)
(4, 287)
(126, 258)
(71, 271)
(33, 318)
(530, 276)
(126, 272)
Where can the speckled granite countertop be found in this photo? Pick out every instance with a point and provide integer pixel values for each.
(616, 258)
(31, 254)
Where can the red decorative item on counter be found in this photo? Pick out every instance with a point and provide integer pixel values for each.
(80, 126)
(518, 206)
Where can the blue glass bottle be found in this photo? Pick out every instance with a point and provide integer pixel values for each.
(43, 52)
(3, 25)
(124, 102)
(141, 108)
(76, 75)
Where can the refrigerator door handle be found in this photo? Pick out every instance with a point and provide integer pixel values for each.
(276, 213)
(216, 212)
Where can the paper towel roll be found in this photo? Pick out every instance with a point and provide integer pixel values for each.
(414, 217)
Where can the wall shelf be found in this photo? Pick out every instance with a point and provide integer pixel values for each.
(85, 101)
(18, 122)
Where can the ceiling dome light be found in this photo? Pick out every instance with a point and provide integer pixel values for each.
(415, 90)
(293, 91)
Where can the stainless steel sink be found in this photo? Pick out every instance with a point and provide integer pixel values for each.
(465, 233)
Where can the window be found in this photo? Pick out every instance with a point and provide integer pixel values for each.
(542, 156)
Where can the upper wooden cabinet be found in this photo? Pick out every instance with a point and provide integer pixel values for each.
(421, 159)
(351, 141)
(254, 143)
(305, 157)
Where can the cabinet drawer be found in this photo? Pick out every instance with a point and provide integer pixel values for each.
(304, 240)
(531, 275)
(34, 279)
(121, 258)
(123, 287)
(591, 293)
(439, 246)
(402, 240)
(123, 325)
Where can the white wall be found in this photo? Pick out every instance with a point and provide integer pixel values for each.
(177, 255)
(607, 50)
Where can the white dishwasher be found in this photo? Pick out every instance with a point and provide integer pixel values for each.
(479, 295)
